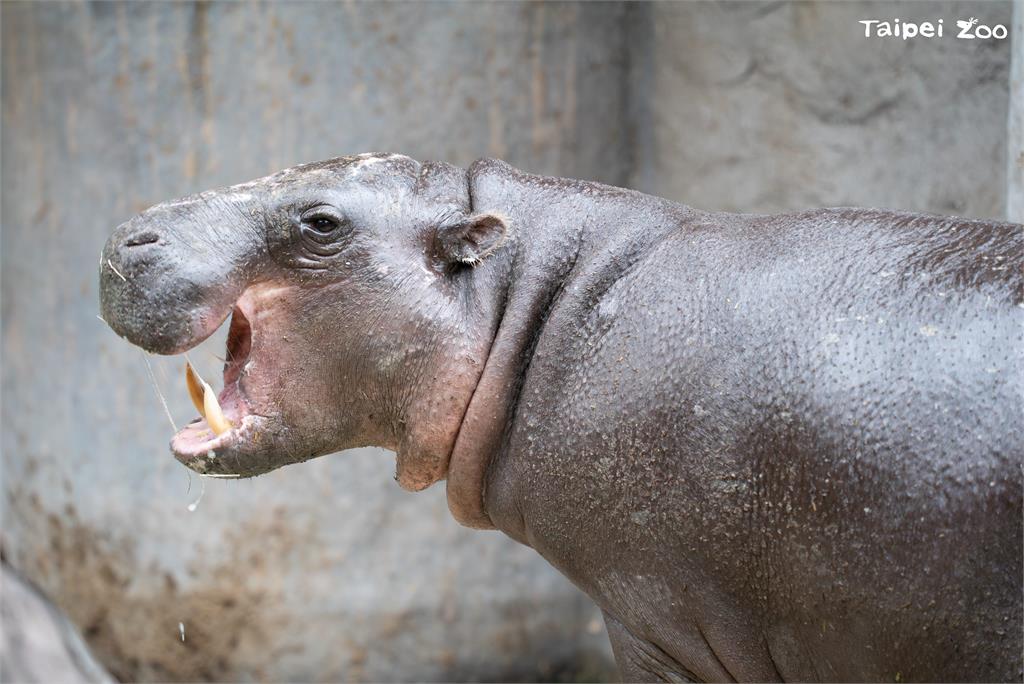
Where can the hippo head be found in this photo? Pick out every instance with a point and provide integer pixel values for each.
(354, 315)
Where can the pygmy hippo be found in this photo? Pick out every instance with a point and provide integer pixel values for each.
(768, 447)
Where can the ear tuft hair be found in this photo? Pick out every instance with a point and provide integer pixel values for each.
(472, 239)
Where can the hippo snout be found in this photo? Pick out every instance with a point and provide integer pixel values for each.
(143, 295)
(170, 275)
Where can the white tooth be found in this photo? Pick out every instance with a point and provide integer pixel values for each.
(195, 388)
(205, 401)
(214, 416)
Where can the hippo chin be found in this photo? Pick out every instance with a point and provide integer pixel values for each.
(769, 447)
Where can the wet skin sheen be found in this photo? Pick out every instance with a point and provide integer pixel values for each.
(768, 447)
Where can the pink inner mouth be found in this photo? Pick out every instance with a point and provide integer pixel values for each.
(197, 438)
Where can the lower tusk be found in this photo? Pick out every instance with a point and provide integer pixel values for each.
(214, 416)
(195, 388)
(205, 401)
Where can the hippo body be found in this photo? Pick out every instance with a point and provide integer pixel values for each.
(768, 447)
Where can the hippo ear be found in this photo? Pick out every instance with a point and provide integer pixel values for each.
(471, 240)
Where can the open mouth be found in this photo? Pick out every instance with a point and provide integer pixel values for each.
(226, 420)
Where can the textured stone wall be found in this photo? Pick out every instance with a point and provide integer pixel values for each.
(1015, 127)
(775, 106)
(327, 570)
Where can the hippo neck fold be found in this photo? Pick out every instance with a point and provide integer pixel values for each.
(565, 235)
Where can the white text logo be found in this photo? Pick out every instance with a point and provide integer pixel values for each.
(969, 29)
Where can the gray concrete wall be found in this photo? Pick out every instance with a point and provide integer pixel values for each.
(1015, 125)
(326, 570)
(777, 106)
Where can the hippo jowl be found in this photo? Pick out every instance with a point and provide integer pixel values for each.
(769, 447)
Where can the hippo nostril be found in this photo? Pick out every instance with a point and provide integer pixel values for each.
(144, 238)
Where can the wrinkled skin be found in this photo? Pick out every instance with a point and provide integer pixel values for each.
(769, 447)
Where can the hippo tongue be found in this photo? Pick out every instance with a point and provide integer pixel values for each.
(205, 400)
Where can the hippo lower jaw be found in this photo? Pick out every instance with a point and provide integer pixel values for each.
(246, 448)
(196, 447)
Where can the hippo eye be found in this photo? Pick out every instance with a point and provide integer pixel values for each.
(322, 220)
(322, 224)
